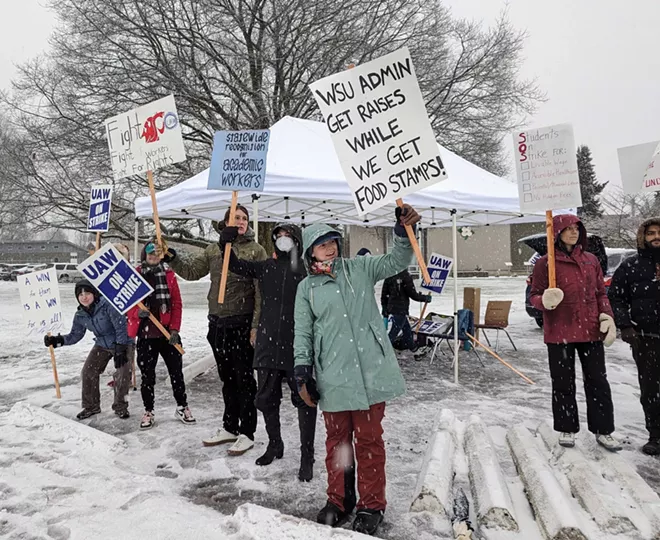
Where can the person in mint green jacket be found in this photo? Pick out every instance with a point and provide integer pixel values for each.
(340, 338)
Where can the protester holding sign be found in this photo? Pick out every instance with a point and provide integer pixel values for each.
(111, 341)
(635, 297)
(232, 330)
(278, 281)
(395, 300)
(339, 335)
(577, 317)
(165, 304)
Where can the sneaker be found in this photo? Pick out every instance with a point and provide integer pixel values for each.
(652, 448)
(609, 443)
(242, 445)
(567, 440)
(221, 437)
(332, 515)
(86, 413)
(123, 414)
(184, 414)
(275, 450)
(367, 521)
(148, 420)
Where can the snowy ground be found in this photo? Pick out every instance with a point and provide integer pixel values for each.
(58, 486)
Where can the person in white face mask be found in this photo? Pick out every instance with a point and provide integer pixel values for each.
(273, 359)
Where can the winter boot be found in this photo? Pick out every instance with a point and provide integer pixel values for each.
(86, 413)
(652, 448)
(274, 450)
(609, 443)
(367, 521)
(332, 515)
(307, 425)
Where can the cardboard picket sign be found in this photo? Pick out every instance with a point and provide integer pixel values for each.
(98, 217)
(112, 275)
(42, 309)
(380, 130)
(640, 168)
(145, 139)
(439, 267)
(238, 162)
(546, 165)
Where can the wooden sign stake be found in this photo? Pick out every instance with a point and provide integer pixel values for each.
(154, 205)
(527, 379)
(552, 277)
(54, 364)
(418, 252)
(421, 318)
(225, 260)
(160, 327)
(98, 241)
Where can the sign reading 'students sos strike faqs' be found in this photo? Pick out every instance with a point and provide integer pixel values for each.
(145, 139)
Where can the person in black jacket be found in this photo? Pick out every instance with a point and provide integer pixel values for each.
(395, 300)
(635, 298)
(273, 359)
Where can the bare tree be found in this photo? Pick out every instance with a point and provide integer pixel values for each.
(235, 64)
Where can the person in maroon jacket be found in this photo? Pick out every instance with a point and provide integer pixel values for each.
(577, 317)
(165, 304)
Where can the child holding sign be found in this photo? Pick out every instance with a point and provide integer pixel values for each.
(165, 304)
(109, 329)
(339, 335)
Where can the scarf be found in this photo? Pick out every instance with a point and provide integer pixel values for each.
(325, 267)
(159, 283)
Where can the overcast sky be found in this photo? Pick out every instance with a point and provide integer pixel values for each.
(597, 60)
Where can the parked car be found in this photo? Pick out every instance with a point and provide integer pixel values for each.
(67, 272)
(609, 259)
(5, 272)
(20, 270)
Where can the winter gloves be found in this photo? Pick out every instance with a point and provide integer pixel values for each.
(428, 299)
(175, 338)
(54, 341)
(144, 314)
(608, 328)
(121, 355)
(552, 298)
(405, 215)
(629, 335)
(227, 236)
(306, 385)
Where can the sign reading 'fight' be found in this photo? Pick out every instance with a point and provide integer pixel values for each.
(115, 278)
(98, 219)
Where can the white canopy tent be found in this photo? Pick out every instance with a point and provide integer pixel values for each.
(305, 183)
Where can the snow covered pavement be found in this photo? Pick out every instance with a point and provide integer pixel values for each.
(166, 484)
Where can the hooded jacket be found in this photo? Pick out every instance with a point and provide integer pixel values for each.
(104, 321)
(339, 329)
(397, 292)
(242, 297)
(580, 277)
(278, 281)
(635, 289)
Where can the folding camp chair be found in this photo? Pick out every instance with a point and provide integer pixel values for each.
(497, 318)
(465, 326)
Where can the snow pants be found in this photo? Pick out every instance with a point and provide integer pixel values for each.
(148, 350)
(97, 361)
(233, 356)
(600, 410)
(268, 400)
(351, 435)
(646, 352)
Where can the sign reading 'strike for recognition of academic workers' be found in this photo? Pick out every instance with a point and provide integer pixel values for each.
(381, 132)
(115, 278)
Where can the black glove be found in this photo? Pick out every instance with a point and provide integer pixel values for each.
(303, 375)
(175, 338)
(405, 216)
(428, 299)
(629, 335)
(143, 313)
(121, 355)
(169, 256)
(54, 341)
(227, 236)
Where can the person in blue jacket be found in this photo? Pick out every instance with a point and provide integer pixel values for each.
(111, 341)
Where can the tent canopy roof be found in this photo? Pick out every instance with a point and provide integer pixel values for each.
(305, 183)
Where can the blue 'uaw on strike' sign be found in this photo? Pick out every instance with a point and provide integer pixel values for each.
(439, 268)
(115, 278)
(238, 162)
(98, 219)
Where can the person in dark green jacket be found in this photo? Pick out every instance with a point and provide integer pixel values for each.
(339, 336)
